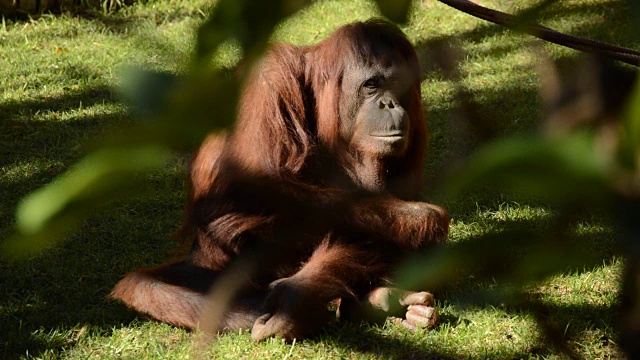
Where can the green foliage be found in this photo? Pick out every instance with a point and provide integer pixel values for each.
(630, 133)
(567, 169)
(501, 252)
(396, 11)
(97, 180)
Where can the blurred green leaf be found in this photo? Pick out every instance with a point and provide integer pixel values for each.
(630, 132)
(98, 179)
(180, 112)
(95, 176)
(564, 169)
(635, 14)
(513, 257)
(248, 22)
(147, 92)
(395, 10)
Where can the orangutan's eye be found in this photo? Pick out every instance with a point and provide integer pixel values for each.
(372, 84)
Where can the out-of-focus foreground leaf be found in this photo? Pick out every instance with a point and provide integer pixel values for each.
(179, 116)
(395, 10)
(248, 22)
(628, 215)
(512, 257)
(630, 132)
(566, 169)
(97, 180)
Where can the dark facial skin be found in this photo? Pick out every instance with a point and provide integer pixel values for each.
(374, 121)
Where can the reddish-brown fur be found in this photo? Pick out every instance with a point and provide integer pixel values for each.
(287, 181)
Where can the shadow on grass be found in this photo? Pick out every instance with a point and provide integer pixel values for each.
(24, 139)
(64, 288)
(122, 25)
(366, 340)
(617, 13)
(611, 12)
(70, 100)
(579, 320)
(567, 324)
(51, 145)
(34, 152)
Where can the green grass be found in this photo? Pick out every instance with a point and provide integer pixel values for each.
(57, 75)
